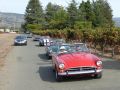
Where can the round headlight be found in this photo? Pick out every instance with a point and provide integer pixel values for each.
(99, 63)
(61, 66)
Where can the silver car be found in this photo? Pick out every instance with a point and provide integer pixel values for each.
(20, 40)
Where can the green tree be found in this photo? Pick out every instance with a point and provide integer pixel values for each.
(107, 12)
(34, 13)
(72, 13)
(51, 10)
(86, 11)
(86, 15)
(103, 14)
(60, 18)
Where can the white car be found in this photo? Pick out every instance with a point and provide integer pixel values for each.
(44, 41)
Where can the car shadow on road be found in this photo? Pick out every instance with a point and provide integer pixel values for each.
(43, 57)
(37, 45)
(46, 73)
(111, 64)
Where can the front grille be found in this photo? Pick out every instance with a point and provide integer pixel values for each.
(81, 69)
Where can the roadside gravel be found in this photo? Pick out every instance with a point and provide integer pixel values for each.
(6, 43)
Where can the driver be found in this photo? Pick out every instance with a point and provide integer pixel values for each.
(62, 49)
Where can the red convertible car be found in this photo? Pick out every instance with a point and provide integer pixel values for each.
(69, 62)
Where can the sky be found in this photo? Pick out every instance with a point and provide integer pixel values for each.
(19, 6)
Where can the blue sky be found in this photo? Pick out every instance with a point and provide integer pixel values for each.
(18, 6)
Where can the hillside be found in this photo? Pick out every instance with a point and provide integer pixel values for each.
(117, 21)
(11, 19)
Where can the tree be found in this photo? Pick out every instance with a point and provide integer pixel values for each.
(86, 15)
(107, 12)
(72, 13)
(103, 14)
(34, 13)
(86, 11)
(60, 18)
(51, 10)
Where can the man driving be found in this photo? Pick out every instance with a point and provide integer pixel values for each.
(62, 49)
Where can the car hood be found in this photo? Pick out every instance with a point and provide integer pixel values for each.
(79, 59)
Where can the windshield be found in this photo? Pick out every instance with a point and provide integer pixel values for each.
(53, 48)
(81, 48)
(73, 48)
(64, 49)
(20, 37)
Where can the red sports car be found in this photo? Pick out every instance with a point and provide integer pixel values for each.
(69, 62)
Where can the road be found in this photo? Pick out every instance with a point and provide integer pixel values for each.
(29, 69)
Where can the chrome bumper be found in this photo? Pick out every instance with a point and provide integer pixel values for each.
(80, 72)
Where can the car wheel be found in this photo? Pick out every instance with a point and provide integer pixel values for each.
(39, 44)
(26, 43)
(98, 76)
(58, 77)
(53, 70)
(14, 44)
(49, 57)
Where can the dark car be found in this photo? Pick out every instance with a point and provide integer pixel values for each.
(52, 49)
(20, 40)
(29, 35)
(36, 38)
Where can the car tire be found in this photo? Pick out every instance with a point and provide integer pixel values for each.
(39, 44)
(58, 77)
(49, 57)
(53, 70)
(98, 76)
(26, 43)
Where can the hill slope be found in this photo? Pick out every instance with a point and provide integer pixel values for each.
(117, 21)
(11, 19)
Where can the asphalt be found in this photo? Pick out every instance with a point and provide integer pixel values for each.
(29, 69)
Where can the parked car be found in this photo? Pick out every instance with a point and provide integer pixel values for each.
(20, 40)
(71, 62)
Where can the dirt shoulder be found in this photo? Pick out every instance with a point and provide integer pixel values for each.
(6, 44)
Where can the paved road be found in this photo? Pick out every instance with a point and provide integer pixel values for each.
(29, 69)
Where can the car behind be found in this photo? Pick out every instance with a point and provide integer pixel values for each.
(20, 40)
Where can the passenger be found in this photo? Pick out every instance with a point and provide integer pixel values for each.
(78, 48)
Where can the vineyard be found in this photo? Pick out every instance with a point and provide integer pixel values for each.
(102, 39)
